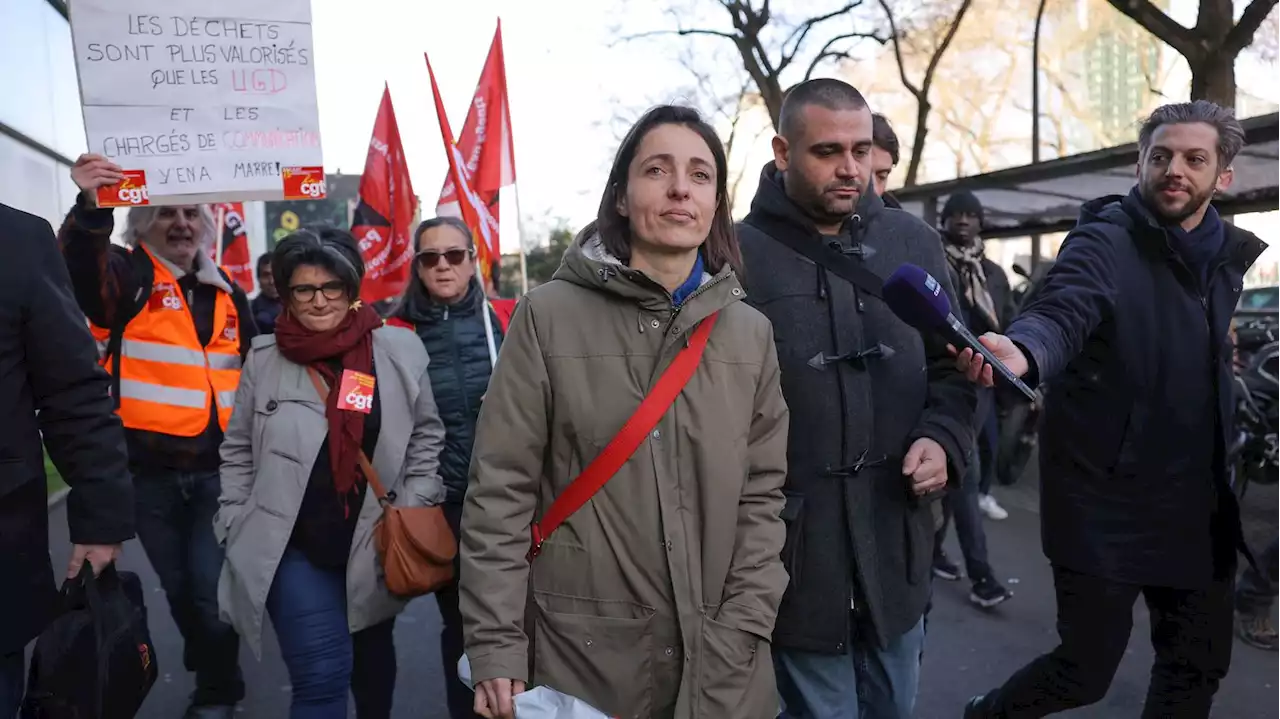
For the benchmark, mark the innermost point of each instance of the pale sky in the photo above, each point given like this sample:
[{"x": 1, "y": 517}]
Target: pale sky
[{"x": 562, "y": 80}]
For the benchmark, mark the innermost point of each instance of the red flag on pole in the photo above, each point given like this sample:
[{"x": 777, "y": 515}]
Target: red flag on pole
[
  {"x": 384, "y": 215},
  {"x": 485, "y": 142},
  {"x": 473, "y": 209},
  {"x": 235, "y": 244}
]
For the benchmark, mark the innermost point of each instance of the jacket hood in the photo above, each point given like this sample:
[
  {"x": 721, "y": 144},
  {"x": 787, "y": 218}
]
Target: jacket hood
[
  {"x": 588, "y": 264},
  {"x": 771, "y": 201}
]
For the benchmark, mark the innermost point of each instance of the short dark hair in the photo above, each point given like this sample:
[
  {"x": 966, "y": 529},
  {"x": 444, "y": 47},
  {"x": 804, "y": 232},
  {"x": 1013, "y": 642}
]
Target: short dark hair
[
  {"x": 444, "y": 221},
  {"x": 721, "y": 245},
  {"x": 828, "y": 92},
  {"x": 1222, "y": 119},
  {"x": 332, "y": 248},
  {"x": 264, "y": 262},
  {"x": 883, "y": 136}
]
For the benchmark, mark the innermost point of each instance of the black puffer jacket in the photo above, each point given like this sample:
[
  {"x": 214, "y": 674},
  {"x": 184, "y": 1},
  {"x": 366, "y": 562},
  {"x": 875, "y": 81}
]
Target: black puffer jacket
[{"x": 454, "y": 336}]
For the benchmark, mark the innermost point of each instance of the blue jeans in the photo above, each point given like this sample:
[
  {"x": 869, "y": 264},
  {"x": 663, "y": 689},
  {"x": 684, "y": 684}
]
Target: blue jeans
[
  {"x": 175, "y": 525},
  {"x": 308, "y": 608},
  {"x": 866, "y": 683},
  {"x": 962, "y": 505},
  {"x": 12, "y": 684}
]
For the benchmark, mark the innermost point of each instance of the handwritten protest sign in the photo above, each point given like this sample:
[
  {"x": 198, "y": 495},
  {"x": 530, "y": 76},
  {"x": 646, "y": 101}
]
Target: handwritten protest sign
[{"x": 208, "y": 106}]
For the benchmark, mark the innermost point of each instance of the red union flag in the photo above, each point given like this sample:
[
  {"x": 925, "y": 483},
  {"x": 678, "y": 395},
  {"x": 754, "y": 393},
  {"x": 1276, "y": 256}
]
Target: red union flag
[
  {"x": 484, "y": 227},
  {"x": 235, "y": 244},
  {"x": 485, "y": 143},
  {"x": 384, "y": 215}
]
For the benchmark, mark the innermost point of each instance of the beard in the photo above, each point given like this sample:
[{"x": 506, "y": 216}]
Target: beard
[
  {"x": 825, "y": 209},
  {"x": 1173, "y": 214}
]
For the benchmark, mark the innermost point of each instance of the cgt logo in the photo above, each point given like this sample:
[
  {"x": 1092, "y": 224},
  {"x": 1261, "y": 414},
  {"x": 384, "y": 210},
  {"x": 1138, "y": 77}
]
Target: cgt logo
[
  {"x": 303, "y": 183},
  {"x": 129, "y": 192}
]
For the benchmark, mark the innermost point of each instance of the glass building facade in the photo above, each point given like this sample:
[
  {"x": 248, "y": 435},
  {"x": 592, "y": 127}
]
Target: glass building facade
[{"x": 41, "y": 126}]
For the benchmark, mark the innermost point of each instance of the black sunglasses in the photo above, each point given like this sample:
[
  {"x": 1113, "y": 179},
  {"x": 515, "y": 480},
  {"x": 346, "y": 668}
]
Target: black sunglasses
[{"x": 430, "y": 258}]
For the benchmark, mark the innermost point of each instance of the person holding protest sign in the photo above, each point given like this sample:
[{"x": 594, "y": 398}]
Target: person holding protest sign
[
  {"x": 636, "y": 379},
  {"x": 330, "y": 404},
  {"x": 177, "y": 329}
]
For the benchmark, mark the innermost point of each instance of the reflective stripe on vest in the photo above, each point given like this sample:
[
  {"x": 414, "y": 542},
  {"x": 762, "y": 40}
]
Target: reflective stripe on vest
[{"x": 167, "y": 380}]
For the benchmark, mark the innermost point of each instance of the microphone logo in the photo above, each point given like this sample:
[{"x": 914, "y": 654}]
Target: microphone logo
[{"x": 932, "y": 285}]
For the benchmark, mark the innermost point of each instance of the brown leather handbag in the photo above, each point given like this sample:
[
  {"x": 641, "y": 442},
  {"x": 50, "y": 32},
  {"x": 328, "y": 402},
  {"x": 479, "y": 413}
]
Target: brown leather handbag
[{"x": 415, "y": 544}]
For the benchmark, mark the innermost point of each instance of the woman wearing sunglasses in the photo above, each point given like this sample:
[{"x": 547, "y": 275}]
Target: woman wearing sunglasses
[
  {"x": 446, "y": 306},
  {"x": 297, "y": 513}
]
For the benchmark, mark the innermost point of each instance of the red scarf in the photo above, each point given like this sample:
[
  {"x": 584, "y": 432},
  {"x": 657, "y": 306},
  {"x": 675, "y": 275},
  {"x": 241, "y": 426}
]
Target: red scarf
[{"x": 352, "y": 343}]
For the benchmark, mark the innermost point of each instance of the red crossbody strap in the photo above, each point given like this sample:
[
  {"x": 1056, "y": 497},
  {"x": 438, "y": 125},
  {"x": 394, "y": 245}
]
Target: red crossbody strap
[{"x": 628, "y": 439}]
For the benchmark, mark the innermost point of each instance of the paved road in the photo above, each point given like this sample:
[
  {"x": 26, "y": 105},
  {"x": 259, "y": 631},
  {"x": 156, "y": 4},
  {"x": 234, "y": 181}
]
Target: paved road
[{"x": 968, "y": 650}]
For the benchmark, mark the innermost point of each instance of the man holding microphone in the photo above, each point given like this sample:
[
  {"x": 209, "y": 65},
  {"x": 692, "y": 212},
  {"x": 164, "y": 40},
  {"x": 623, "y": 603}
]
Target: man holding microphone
[{"x": 1131, "y": 325}]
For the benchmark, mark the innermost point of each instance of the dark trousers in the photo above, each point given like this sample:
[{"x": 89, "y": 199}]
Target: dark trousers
[
  {"x": 961, "y": 503},
  {"x": 1257, "y": 590},
  {"x": 988, "y": 448},
  {"x": 308, "y": 608},
  {"x": 460, "y": 699},
  {"x": 12, "y": 684},
  {"x": 1190, "y": 632},
  {"x": 175, "y": 524}
]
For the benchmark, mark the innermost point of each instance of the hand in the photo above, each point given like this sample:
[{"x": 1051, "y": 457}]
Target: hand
[
  {"x": 99, "y": 556},
  {"x": 93, "y": 171},
  {"x": 926, "y": 465},
  {"x": 495, "y": 698},
  {"x": 977, "y": 370}
]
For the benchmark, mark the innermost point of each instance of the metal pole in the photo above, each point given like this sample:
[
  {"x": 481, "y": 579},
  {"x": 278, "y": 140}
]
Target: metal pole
[
  {"x": 1035, "y": 118},
  {"x": 524, "y": 270}
]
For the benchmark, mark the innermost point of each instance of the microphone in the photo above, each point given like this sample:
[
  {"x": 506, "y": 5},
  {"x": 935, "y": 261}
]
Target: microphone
[{"x": 917, "y": 299}]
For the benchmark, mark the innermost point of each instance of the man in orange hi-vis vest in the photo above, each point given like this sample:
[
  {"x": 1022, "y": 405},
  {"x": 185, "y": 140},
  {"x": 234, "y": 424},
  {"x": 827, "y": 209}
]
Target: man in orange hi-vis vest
[{"x": 175, "y": 329}]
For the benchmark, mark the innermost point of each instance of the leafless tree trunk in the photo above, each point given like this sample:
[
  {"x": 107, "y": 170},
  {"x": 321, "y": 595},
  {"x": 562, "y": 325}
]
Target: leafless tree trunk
[
  {"x": 921, "y": 91},
  {"x": 1210, "y": 47}
]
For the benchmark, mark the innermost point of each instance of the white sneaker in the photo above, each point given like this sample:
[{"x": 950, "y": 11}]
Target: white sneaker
[{"x": 992, "y": 508}]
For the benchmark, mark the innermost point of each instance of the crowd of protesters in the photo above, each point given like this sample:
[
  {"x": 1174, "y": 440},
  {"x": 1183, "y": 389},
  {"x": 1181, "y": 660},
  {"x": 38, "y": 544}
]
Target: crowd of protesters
[{"x": 698, "y": 474}]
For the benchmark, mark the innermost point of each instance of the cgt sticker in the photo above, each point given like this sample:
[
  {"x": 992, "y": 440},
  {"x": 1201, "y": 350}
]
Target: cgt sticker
[
  {"x": 303, "y": 183},
  {"x": 129, "y": 192}
]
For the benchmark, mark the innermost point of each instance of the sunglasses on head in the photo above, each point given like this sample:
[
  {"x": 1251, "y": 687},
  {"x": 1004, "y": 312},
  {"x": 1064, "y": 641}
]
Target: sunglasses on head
[{"x": 430, "y": 258}]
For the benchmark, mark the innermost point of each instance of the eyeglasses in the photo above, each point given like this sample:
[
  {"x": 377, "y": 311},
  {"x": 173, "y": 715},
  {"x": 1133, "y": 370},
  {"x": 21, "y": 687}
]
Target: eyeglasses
[
  {"x": 430, "y": 258},
  {"x": 307, "y": 293}
]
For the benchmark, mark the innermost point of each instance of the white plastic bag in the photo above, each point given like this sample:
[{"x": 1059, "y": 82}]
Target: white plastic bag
[{"x": 540, "y": 702}]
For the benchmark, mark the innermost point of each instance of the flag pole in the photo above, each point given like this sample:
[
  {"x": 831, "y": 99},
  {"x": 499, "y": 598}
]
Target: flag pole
[
  {"x": 524, "y": 269},
  {"x": 218, "y": 233}
]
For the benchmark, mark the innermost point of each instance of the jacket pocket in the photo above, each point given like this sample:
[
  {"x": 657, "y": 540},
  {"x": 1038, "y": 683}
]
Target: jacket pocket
[
  {"x": 735, "y": 674},
  {"x": 604, "y": 660},
  {"x": 793, "y": 549}
]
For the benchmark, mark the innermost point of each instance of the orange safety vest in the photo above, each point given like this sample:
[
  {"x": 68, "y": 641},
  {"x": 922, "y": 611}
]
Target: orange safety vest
[{"x": 167, "y": 379}]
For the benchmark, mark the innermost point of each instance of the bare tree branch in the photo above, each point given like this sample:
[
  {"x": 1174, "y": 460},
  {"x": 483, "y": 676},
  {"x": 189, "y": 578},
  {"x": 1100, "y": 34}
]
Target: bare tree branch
[
  {"x": 802, "y": 31},
  {"x": 826, "y": 53},
  {"x": 1250, "y": 20},
  {"x": 1156, "y": 22}
]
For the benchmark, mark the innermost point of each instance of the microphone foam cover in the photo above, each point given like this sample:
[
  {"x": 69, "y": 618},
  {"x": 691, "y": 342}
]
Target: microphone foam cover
[{"x": 917, "y": 298}]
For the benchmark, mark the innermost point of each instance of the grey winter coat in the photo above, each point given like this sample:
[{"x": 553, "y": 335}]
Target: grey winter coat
[
  {"x": 862, "y": 386},
  {"x": 274, "y": 436}
]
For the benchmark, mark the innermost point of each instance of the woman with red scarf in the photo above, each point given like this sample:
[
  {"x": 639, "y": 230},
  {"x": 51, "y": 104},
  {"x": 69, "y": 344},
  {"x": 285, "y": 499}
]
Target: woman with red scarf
[{"x": 297, "y": 515}]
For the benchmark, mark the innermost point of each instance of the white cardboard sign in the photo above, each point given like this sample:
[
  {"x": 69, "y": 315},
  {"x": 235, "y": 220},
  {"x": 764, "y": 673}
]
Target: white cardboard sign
[{"x": 210, "y": 100}]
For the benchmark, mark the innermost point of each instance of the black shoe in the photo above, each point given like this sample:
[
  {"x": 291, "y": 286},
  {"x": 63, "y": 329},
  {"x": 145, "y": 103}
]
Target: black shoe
[
  {"x": 987, "y": 593},
  {"x": 944, "y": 568}
]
